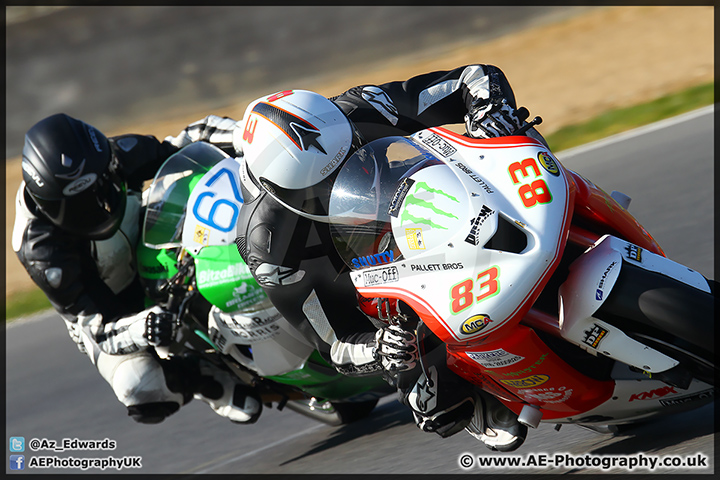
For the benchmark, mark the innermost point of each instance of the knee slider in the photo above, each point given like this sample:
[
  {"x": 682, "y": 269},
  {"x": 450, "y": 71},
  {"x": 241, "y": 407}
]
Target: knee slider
[{"x": 151, "y": 413}]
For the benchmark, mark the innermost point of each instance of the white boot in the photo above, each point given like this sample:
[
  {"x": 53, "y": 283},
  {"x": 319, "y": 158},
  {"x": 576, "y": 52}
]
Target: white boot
[
  {"x": 496, "y": 425},
  {"x": 232, "y": 399}
]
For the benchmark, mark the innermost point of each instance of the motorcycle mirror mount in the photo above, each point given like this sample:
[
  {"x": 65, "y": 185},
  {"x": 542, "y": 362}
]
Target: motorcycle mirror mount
[{"x": 528, "y": 126}]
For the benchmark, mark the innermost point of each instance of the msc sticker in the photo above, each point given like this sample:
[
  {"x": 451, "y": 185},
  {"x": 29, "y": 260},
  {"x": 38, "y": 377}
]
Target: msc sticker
[
  {"x": 548, "y": 163},
  {"x": 414, "y": 238},
  {"x": 474, "y": 324},
  {"x": 527, "y": 382},
  {"x": 594, "y": 336},
  {"x": 381, "y": 276}
]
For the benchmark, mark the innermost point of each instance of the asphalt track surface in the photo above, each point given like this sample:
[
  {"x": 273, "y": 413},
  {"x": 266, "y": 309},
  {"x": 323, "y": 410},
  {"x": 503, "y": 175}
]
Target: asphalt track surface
[
  {"x": 53, "y": 392},
  {"x": 114, "y": 66}
]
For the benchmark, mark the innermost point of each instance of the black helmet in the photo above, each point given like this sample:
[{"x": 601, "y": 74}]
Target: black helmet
[{"x": 71, "y": 175}]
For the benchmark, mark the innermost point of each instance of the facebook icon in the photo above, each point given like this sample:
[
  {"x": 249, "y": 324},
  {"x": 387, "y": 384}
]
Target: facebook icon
[{"x": 17, "y": 462}]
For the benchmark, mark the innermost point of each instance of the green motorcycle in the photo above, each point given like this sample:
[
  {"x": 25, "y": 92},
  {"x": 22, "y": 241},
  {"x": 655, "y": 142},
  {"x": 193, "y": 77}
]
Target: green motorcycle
[{"x": 189, "y": 263}]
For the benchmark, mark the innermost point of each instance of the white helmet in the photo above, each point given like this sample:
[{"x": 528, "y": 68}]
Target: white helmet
[{"x": 293, "y": 143}]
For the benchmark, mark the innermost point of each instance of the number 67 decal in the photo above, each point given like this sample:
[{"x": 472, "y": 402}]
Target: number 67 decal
[
  {"x": 224, "y": 212},
  {"x": 461, "y": 294}
]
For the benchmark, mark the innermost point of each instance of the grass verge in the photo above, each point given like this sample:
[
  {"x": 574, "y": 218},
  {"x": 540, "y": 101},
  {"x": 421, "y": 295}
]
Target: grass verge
[
  {"x": 617, "y": 121},
  {"x": 605, "y": 125}
]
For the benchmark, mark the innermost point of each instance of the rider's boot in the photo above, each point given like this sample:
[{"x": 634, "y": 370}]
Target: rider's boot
[
  {"x": 227, "y": 395},
  {"x": 496, "y": 425}
]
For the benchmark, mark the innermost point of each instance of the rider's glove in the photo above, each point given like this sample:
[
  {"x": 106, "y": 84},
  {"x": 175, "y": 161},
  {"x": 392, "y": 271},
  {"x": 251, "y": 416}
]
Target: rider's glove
[
  {"x": 490, "y": 120},
  {"x": 396, "y": 349},
  {"x": 160, "y": 328}
]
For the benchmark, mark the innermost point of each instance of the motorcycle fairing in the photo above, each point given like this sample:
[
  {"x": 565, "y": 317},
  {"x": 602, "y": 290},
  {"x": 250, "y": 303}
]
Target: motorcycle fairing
[
  {"x": 487, "y": 217},
  {"x": 591, "y": 279}
]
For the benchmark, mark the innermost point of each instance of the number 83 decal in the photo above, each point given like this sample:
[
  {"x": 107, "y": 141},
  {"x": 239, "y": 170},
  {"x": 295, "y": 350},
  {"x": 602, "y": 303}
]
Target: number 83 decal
[
  {"x": 462, "y": 295},
  {"x": 533, "y": 192}
]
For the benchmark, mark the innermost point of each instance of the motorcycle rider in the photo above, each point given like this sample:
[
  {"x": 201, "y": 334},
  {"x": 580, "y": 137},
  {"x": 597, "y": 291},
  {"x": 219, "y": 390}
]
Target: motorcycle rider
[
  {"x": 78, "y": 219},
  {"x": 292, "y": 144}
]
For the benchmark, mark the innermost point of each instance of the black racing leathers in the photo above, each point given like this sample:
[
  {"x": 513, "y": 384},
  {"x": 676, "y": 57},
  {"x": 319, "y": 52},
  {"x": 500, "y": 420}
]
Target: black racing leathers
[
  {"x": 293, "y": 258},
  {"x": 65, "y": 267}
]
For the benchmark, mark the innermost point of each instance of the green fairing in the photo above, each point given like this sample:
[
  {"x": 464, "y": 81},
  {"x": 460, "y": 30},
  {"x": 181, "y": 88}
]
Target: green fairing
[
  {"x": 224, "y": 279},
  {"x": 155, "y": 264},
  {"x": 322, "y": 381}
]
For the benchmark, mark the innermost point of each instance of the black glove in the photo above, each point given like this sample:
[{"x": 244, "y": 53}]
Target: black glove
[
  {"x": 490, "y": 120},
  {"x": 396, "y": 349},
  {"x": 160, "y": 328}
]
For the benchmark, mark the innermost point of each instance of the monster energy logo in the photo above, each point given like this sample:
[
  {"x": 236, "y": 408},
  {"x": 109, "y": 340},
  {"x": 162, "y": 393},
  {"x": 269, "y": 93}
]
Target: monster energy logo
[{"x": 411, "y": 199}]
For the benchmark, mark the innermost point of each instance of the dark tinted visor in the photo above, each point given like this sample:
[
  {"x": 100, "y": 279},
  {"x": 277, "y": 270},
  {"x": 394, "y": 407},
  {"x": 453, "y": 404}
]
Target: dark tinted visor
[{"x": 94, "y": 213}]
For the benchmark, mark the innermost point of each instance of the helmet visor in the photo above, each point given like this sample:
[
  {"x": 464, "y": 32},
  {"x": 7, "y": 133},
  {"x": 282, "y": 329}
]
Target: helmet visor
[{"x": 94, "y": 213}]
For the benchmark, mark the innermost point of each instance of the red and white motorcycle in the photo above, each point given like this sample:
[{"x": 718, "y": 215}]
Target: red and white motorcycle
[{"x": 546, "y": 292}]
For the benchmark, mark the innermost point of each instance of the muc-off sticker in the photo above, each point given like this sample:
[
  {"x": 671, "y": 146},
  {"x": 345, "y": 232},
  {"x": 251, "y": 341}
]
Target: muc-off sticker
[
  {"x": 439, "y": 144},
  {"x": 381, "y": 276}
]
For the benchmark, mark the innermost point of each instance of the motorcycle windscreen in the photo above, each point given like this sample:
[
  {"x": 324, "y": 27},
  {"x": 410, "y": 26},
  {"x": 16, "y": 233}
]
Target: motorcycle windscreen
[
  {"x": 369, "y": 187},
  {"x": 170, "y": 190}
]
